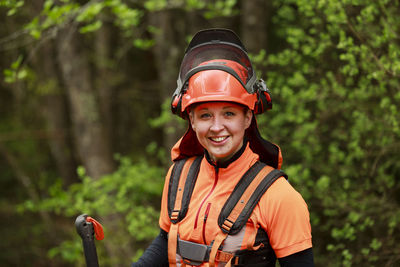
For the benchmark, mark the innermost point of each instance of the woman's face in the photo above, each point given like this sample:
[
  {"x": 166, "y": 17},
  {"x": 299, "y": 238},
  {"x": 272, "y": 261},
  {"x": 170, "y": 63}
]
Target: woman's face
[{"x": 220, "y": 127}]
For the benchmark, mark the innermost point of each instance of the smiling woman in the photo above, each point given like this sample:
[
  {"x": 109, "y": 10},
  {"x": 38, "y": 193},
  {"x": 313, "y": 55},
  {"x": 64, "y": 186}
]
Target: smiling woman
[
  {"x": 220, "y": 128},
  {"x": 225, "y": 201}
]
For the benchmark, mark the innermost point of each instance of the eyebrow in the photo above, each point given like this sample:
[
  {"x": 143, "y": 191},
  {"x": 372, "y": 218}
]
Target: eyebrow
[{"x": 226, "y": 107}]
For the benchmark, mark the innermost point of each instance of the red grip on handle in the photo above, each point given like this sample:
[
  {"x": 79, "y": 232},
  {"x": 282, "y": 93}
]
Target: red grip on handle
[{"x": 98, "y": 228}]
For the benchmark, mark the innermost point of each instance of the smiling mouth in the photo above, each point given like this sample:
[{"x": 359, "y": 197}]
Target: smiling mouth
[{"x": 218, "y": 139}]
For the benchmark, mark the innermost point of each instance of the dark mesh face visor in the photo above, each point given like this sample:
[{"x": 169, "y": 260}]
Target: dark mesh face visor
[{"x": 215, "y": 44}]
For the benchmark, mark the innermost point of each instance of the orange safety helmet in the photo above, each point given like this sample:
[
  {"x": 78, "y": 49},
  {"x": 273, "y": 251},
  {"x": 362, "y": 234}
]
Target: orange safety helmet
[
  {"x": 216, "y": 67},
  {"x": 218, "y": 85}
]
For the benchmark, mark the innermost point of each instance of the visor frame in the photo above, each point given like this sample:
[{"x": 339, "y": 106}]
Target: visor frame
[{"x": 213, "y": 38}]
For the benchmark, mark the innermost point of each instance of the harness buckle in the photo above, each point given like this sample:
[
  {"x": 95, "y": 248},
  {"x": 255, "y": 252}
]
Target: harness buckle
[
  {"x": 193, "y": 253},
  {"x": 223, "y": 256}
]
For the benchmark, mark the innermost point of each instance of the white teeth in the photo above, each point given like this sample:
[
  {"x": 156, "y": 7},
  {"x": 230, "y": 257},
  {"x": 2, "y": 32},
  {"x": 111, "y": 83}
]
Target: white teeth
[{"x": 218, "y": 139}]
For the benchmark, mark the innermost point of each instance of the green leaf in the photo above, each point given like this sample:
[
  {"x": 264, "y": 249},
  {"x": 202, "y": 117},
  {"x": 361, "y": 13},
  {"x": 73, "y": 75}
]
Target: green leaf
[
  {"x": 195, "y": 4},
  {"x": 90, "y": 12},
  {"x": 91, "y": 27},
  {"x": 15, "y": 72},
  {"x": 143, "y": 43},
  {"x": 155, "y": 5},
  {"x": 375, "y": 244},
  {"x": 323, "y": 183},
  {"x": 14, "y": 5}
]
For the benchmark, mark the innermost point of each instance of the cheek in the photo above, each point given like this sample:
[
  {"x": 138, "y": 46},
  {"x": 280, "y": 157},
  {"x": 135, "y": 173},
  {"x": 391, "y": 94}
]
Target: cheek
[
  {"x": 240, "y": 128},
  {"x": 201, "y": 135},
  {"x": 199, "y": 128}
]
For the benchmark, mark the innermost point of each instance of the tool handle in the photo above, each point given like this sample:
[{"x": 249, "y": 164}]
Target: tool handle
[{"x": 86, "y": 231}]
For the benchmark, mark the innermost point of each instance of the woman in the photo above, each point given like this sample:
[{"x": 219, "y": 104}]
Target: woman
[{"x": 225, "y": 202}]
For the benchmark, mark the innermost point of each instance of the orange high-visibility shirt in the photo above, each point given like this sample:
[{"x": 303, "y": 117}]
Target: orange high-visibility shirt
[{"x": 281, "y": 211}]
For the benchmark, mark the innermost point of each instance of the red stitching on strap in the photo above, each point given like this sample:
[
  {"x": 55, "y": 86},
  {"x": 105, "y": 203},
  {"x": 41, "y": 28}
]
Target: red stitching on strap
[{"x": 98, "y": 228}]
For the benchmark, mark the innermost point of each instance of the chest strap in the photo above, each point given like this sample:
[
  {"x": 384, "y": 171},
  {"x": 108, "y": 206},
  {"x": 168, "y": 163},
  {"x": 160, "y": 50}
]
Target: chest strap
[
  {"x": 181, "y": 184},
  {"x": 245, "y": 196},
  {"x": 241, "y": 203},
  {"x": 183, "y": 178}
]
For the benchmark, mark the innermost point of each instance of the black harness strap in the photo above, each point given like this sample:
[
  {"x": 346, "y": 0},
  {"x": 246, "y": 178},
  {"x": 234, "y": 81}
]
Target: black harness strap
[
  {"x": 228, "y": 220},
  {"x": 189, "y": 185},
  {"x": 240, "y": 187},
  {"x": 189, "y": 182}
]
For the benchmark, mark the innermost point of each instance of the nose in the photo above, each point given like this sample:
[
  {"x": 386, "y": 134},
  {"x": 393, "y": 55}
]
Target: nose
[{"x": 217, "y": 124}]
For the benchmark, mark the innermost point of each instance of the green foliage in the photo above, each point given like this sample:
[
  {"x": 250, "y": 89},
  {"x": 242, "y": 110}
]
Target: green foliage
[
  {"x": 165, "y": 119},
  {"x": 13, "y": 5},
  {"x": 90, "y": 12},
  {"x": 335, "y": 85},
  {"x": 126, "y": 17},
  {"x": 221, "y": 8},
  {"x": 155, "y": 5},
  {"x": 211, "y": 9},
  {"x": 195, "y": 4},
  {"x": 15, "y": 72},
  {"x": 130, "y": 196},
  {"x": 143, "y": 43},
  {"x": 70, "y": 251},
  {"x": 89, "y": 16},
  {"x": 92, "y": 27},
  {"x": 51, "y": 16}
]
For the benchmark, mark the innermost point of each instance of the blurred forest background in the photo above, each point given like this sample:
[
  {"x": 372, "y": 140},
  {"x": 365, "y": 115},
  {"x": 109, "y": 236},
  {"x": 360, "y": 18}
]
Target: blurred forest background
[{"x": 85, "y": 125}]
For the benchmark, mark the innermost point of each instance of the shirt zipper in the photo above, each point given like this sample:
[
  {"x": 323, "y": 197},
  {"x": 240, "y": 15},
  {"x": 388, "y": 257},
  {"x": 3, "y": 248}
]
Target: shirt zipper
[{"x": 208, "y": 195}]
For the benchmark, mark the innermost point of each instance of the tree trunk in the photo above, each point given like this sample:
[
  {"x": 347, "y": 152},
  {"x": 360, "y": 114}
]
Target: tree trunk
[
  {"x": 89, "y": 135},
  {"x": 254, "y": 20},
  {"x": 55, "y": 111},
  {"x": 103, "y": 80},
  {"x": 168, "y": 53}
]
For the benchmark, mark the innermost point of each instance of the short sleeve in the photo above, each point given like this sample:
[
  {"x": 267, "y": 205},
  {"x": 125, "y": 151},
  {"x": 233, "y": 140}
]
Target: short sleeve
[{"x": 284, "y": 215}]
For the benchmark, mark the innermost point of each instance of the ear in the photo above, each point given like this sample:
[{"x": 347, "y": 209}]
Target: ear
[{"x": 248, "y": 117}]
